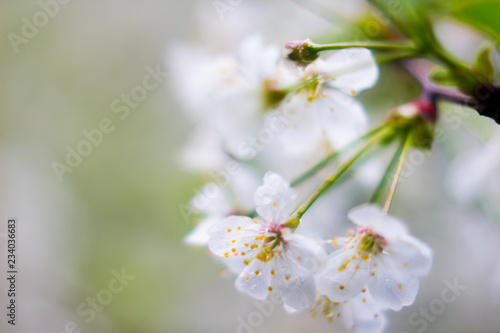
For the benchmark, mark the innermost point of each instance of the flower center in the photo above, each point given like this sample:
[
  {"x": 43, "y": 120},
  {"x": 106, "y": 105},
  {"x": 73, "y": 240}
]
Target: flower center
[
  {"x": 265, "y": 254},
  {"x": 271, "y": 246},
  {"x": 325, "y": 307},
  {"x": 371, "y": 243},
  {"x": 312, "y": 85}
]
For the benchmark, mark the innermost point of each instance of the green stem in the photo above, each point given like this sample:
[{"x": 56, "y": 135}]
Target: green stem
[
  {"x": 336, "y": 175},
  {"x": 397, "y": 56},
  {"x": 383, "y": 182},
  {"x": 367, "y": 45},
  {"x": 320, "y": 165},
  {"x": 402, "y": 152}
]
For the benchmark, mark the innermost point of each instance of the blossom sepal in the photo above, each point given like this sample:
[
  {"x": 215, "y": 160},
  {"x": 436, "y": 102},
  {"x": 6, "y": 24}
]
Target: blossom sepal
[
  {"x": 301, "y": 52},
  {"x": 417, "y": 119}
]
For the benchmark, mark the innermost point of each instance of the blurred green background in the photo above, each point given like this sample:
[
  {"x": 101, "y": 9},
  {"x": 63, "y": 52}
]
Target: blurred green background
[{"x": 119, "y": 208}]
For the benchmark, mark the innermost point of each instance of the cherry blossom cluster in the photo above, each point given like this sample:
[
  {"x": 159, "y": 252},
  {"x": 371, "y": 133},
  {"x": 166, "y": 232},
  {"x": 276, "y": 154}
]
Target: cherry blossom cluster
[
  {"x": 375, "y": 268},
  {"x": 256, "y": 111}
]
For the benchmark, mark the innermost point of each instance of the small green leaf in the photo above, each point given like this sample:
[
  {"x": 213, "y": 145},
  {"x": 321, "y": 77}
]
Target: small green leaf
[{"x": 482, "y": 62}]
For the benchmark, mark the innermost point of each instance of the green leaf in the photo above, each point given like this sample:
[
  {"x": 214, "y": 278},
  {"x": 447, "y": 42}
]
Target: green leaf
[
  {"x": 484, "y": 15},
  {"x": 482, "y": 62}
]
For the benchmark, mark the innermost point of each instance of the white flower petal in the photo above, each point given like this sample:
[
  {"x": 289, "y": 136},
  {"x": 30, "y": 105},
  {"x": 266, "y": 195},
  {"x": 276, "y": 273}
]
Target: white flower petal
[
  {"x": 365, "y": 215},
  {"x": 243, "y": 185},
  {"x": 294, "y": 283},
  {"x": 372, "y": 216},
  {"x": 342, "y": 278},
  {"x": 412, "y": 255},
  {"x": 363, "y": 315},
  {"x": 354, "y": 69},
  {"x": 257, "y": 61},
  {"x": 234, "y": 264},
  {"x": 255, "y": 279},
  {"x": 199, "y": 235},
  {"x": 301, "y": 126},
  {"x": 343, "y": 118},
  {"x": 289, "y": 309},
  {"x": 237, "y": 118},
  {"x": 390, "y": 286},
  {"x": 274, "y": 199},
  {"x": 196, "y": 76},
  {"x": 231, "y": 236},
  {"x": 308, "y": 251}
]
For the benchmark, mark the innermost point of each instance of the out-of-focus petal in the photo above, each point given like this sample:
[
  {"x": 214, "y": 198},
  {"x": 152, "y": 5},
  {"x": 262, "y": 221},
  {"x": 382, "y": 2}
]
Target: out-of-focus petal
[
  {"x": 372, "y": 216},
  {"x": 342, "y": 278},
  {"x": 255, "y": 280},
  {"x": 342, "y": 118},
  {"x": 364, "y": 315},
  {"x": 274, "y": 199},
  {"x": 353, "y": 69},
  {"x": 240, "y": 229},
  {"x": 390, "y": 286},
  {"x": 298, "y": 127},
  {"x": 411, "y": 255},
  {"x": 199, "y": 235},
  {"x": 294, "y": 282}
]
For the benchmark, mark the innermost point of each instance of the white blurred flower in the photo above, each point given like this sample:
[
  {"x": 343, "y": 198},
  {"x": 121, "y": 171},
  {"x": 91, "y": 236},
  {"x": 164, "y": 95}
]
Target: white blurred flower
[
  {"x": 360, "y": 315},
  {"x": 381, "y": 256},
  {"x": 274, "y": 256},
  {"x": 229, "y": 93},
  {"x": 473, "y": 176},
  {"x": 196, "y": 76},
  {"x": 324, "y": 107},
  {"x": 235, "y": 95},
  {"x": 217, "y": 200}
]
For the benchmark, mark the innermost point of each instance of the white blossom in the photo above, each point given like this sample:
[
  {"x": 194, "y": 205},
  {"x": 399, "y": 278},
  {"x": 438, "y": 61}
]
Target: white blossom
[
  {"x": 325, "y": 108},
  {"x": 229, "y": 92},
  {"x": 274, "y": 256},
  {"x": 381, "y": 256},
  {"x": 360, "y": 315}
]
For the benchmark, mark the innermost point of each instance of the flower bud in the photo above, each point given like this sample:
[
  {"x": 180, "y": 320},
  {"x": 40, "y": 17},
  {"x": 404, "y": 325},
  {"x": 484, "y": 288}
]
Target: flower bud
[
  {"x": 418, "y": 117},
  {"x": 302, "y": 52}
]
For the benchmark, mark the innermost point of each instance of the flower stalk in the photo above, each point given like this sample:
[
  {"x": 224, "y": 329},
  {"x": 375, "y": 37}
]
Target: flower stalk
[
  {"x": 324, "y": 162},
  {"x": 374, "y": 46},
  {"x": 337, "y": 174},
  {"x": 400, "y": 156}
]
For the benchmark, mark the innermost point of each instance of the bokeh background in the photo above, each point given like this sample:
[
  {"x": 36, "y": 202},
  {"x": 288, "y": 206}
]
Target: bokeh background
[{"x": 119, "y": 208}]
